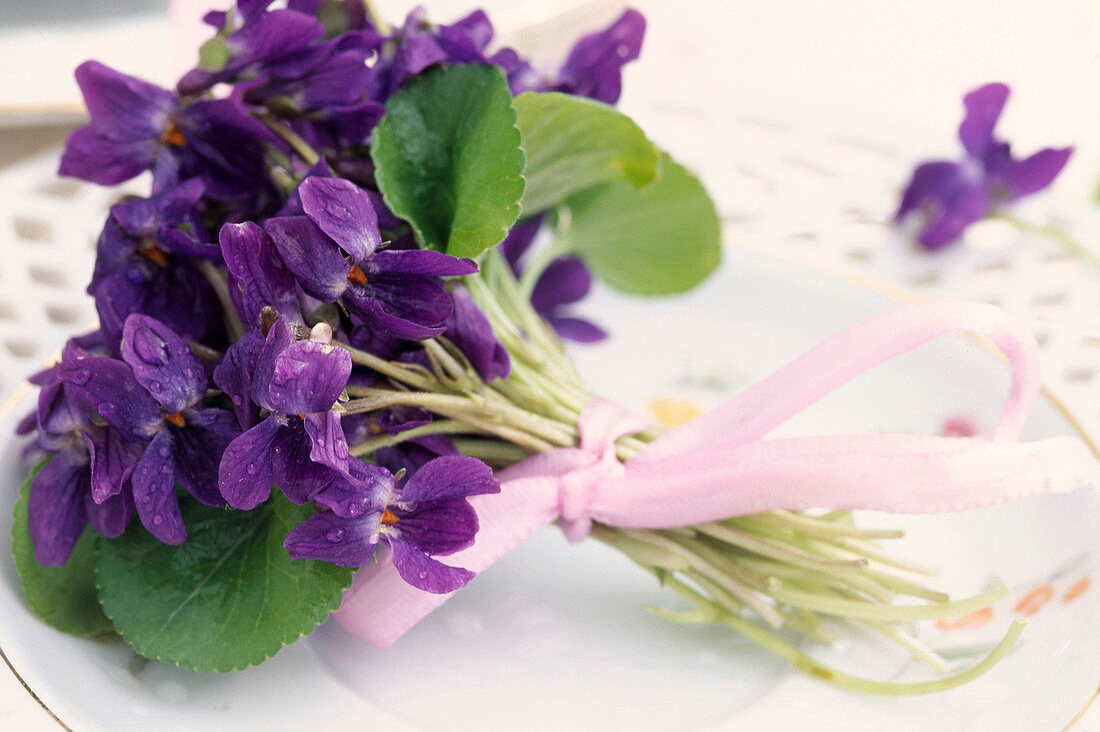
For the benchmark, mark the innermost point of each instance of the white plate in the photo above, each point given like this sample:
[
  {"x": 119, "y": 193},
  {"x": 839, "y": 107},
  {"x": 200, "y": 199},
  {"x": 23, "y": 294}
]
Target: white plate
[{"x": 555, "y": 636}]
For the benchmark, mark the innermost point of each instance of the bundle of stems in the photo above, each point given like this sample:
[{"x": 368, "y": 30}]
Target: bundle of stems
[{"x": 799, "y": 572}]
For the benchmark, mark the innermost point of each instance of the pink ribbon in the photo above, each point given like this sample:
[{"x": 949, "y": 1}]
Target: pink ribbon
[{"x": 717, "y": 466}]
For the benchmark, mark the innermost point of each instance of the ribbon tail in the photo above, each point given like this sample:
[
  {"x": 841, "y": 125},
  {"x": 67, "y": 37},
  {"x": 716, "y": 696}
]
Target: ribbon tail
[
  {"x": 380, "y": 607},
  {"x": 894, "y": 473}
]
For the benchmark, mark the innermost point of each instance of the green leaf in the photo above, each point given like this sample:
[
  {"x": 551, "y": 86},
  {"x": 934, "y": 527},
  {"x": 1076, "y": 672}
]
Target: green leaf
[
  {"x": 661, "y": 240},
  {"x": 228, "y": 597},
  {"x": 448, "y": 159},
  {"x": 65, "y": 596},
  {"x": 574, "y": 143}
]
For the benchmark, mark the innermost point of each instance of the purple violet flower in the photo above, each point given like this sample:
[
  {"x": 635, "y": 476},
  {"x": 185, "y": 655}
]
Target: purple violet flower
[
  {"x": 62, "y": 500},
  {"x": 143, "y": 264},
  {"x": 152, "y": 399},
  {"x": 264, "y": 37},
  {"x": 429, "y": 515},
  {"x": 469, "y": 330},
  {"x": 594, "y": 66},
  {"x": 333, "y": 252},
  {"x": 300, "y": 445},
  {"x": 136, "y": 126},
  {"x": 950, "y": 196},
  {"x": 565, "y": 281}
]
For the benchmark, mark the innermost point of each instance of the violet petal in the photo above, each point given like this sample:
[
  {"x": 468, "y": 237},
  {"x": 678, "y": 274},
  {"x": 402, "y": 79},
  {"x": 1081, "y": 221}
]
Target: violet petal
[
  {"x": 154, "y": 482},
  {"x": 162, "y": 363},
  {"x": 440, "y": 527},
  {"x": 1030, "y": 175},
  {"x": 245, "y": 473},
  {"x": 425, "y": 573},
  {"x": 198, "y": 448},
  {"x": 983, "y": 108},
  {"x": 108, "y": 387},
  {"x": 330, "y": 538},
  {"x": 344, "y": 212},
  {"x": 111, "y": 517},
  {"x": 233, "y": 375},
  {"x": 450, "y": 476},
  {"x": 296, "y": 474},
  {"x": 330, "y": 446},
  {"x": 91, "y": 157},
  {"x": 370, "y": 491},
  {"x": 312, "y": 257},
  {"x": 308, "y": 377},
  {"x": 112, "y": 461},
  {"x": 56, "y": 515},
  {"x": 257, "y": 271}
]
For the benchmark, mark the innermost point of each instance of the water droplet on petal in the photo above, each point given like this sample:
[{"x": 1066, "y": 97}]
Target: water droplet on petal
[
  {"x": 237, "y": 400},
  {"x": 320, "y": 442},
  {"x": 164, "y": 451},
  {"x": 155, "y": 387},
  {"x": 341, "y": 449},
  {"x": 422, "y": 575},
  {"x": 158, "y": 520},
  {"x": 335, "y": 535},
  {"x": 253, "y": 468},
  {"x": 80, "y": 376}
]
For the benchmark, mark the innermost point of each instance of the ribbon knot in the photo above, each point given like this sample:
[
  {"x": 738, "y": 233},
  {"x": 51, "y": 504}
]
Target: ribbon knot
[
  {"x": 604, "y": 423},
  {"x": 720, "y": 465}
]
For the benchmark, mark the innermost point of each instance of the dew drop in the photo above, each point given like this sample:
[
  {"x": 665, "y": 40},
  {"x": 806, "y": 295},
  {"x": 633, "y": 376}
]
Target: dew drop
[
  {"x": 341, "y": 449},
  {"x": 252, "y": 468},
  {"x": 164, "y": 451},
  {"x": 320, "y": 442},
  {"x": 335, "y": 535},
  {"x": 155, "y": 387},
  {"x": 80, "y": 377},
  {"x": 237, "y": 401},
  {"x": 422, "y": 575},
  {"x": 158, "y": 520}
]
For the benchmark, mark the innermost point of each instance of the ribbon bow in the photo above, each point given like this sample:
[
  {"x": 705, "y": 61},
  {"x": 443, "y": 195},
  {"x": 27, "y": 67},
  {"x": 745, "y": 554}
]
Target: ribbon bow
[{"x": 717, "y": 465}]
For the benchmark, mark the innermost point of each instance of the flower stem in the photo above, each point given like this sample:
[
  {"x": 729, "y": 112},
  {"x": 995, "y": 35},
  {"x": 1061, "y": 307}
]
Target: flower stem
[
  {"x": 233, "y": 325},
  {"x": 1052, "y": 232},
  {"x": 290, "y": 137},
  {"x": 376, "y": 19}
]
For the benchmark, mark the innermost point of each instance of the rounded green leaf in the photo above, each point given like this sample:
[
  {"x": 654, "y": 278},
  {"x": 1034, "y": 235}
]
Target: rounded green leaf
[
  {"x": 661, "y": 240},
  {"x": 448, "y": 160},
  {"x": 65, "y": 596},
  {"x": 574, "y": 143},
  {"x": 228, "y": 597}
]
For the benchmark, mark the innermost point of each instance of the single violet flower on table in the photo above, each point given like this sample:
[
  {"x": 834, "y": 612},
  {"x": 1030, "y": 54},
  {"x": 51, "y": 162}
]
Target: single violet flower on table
[
  {"x": 427, "y": 516},
  {"x": 950, "y": 196}
]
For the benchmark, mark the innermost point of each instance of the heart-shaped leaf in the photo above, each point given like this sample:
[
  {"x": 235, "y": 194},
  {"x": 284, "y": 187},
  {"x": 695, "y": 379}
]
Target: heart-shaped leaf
[
  {"x": 661, "y": 240},
  {"x": 228, "y": 597},
  {"x": 448, "y": 159},
  {"x": 574, "y": 143}
]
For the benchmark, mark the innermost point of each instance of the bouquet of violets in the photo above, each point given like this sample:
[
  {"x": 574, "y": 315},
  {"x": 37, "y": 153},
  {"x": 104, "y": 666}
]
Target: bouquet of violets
[{"x": 332, "y": 332}]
